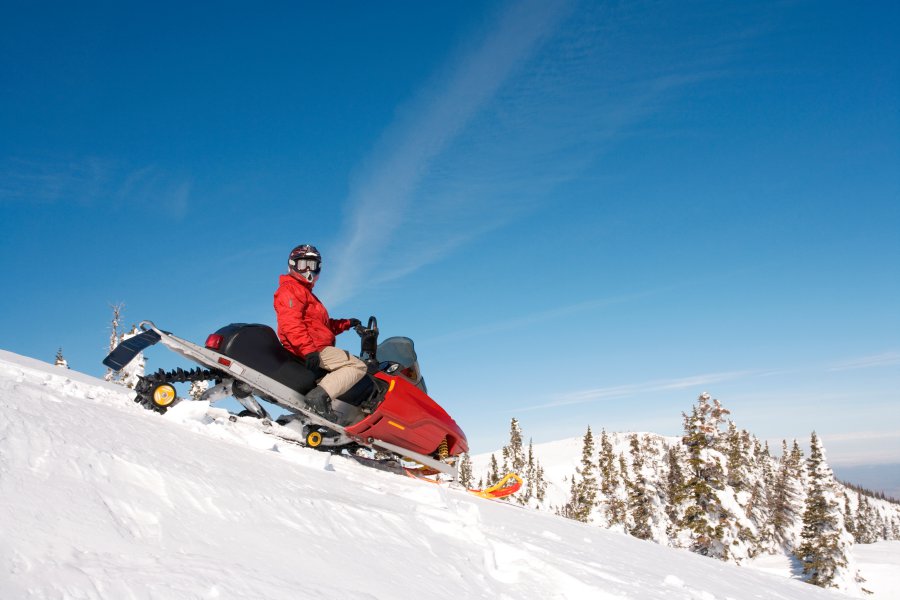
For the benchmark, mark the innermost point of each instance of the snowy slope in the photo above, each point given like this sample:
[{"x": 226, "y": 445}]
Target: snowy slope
[{"x": 101, "y": 499}]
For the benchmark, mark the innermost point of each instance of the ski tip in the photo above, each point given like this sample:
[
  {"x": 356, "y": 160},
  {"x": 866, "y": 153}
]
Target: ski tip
[{"x": 507, "y": 486}]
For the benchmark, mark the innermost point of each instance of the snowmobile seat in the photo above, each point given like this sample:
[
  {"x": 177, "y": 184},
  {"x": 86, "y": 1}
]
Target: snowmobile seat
[{"x": 258, "y": 347}]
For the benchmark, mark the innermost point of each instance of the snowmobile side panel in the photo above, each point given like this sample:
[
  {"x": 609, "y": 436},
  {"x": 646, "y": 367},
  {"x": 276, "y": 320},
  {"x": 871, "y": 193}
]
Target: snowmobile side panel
[
  {"x": 125, "y": 352},
  {"x": 410, "y": 418}
]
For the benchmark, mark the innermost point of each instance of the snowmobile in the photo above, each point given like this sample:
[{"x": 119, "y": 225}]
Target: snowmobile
[{"x": 389, "y": 411}]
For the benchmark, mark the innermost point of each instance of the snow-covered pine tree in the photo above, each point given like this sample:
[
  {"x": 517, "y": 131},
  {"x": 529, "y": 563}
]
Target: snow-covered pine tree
[
  {"x": 529, "y": 492},
  {"x": 736, "y": 455},
  {"x": 742, "y": 481},
  {"x": 114, "y": 335},
  {"x": 849, "y": 524},
  {"x": 197, "y": 389},
  {"x": 540, "y": 483},
  {"x": 465, "y": 470},
  {"x": 825, "y": 543},
  {"x": 759, "y": 506},
  {"x": 865, "y": 516},
  {"x": 640, "y": 505},
  {"x": 625, "y": 485},
  {"x": 513, "y": 452},
  {"x": 493, "y": 475},
  {"x": 786, "y": 496},
  {"x": 674, "y": 491},
  {"x": 535, "y": 486},
  {"x": 583, "y": 491},
  {"x": 870, "y": 515},
  {"x": 705, "y": 517},
  {"x": 610, "y": 497},
  {"x": 60, "y": 360}
]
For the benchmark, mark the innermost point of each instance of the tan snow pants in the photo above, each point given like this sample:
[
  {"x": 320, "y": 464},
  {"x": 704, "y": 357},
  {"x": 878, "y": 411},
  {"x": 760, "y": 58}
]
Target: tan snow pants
[{"x": 344, "y": 370}]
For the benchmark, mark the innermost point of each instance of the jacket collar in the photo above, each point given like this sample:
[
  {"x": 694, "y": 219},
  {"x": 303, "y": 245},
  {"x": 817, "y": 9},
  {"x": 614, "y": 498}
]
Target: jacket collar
[{"x": 290, "y": 277}]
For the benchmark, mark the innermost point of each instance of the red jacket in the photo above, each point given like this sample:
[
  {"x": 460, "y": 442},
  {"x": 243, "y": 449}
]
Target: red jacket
[{"x": 303, "y": 322}]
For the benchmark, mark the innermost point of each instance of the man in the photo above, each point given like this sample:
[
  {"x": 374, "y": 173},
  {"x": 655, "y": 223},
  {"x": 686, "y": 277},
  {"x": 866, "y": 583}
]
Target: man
[{"x": 305, "y": 329}]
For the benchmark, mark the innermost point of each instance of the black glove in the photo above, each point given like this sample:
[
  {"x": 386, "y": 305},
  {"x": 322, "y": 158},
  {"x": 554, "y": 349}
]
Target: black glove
[
  {"x": 354, "y": 322},
  {"x": 313, "y": 361}
]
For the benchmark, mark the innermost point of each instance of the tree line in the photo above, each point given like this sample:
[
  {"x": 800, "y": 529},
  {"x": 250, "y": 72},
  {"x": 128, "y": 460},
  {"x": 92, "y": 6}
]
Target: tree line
[{"x": 717, "y": 491}]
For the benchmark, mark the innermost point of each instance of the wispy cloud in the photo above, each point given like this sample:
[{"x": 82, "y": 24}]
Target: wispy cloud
[
  {"x": 862, "y": 447},
  {"x": 90, "y": 181},
  {"x": 495, "y": 327},
  {"x": 885, "y": 359},
  {"x": 154, "y": 187},
  {"x": 382, "y": 195},
  {"x": 634, "y": 389},
  {"x": 531, "y": 104},
  {"x": 43, "y": 182},
  {"x": 861, "y": 436}
]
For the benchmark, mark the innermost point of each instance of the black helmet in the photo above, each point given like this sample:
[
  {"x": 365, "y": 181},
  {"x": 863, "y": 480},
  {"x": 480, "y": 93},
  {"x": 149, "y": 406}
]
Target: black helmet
[{"x": 306, "y": 262}]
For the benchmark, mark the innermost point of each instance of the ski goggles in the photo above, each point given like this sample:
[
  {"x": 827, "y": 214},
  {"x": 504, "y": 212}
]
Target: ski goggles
[{"x": 306, "y": 264}]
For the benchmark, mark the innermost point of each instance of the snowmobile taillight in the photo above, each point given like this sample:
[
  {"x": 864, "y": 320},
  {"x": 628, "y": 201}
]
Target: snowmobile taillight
[
  {"x": 214, "y": 341},
  {"x": 224, "y": 361}
]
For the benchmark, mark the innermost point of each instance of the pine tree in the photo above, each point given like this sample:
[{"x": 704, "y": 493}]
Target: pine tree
[
  {"x": 849, "y": 524},
  {"x": 865, "y": 531},
  {"x": 786, "y": 496},
  {"x": 613, "y": 503},
  {"x": 583, "y": 491},
  {"x": 493, "y": 475},
  {"x": 540, "y": 484},
  {"x": 822, "y": 551},
  {"x": 640, "y": 506},
  {"x": 535, "y": 485},
  {"x": 705, "y": 516},
  {"x": 674, "y": 490},
  {"x": 197, "y": 389},
  {"x": 60, "y": 360},
  {"x": 759, "y": 507},
  {"x": 622, "y": 492},
  {"x": 736, "y": 458},
  {"x": 114, "y": 335},
  {"x": 465, "y": 470},
  {"x": 513, "y": 453},
  {"x": 530, "y": 473}
]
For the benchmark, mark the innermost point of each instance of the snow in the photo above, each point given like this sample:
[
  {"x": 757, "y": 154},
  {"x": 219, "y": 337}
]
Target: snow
[
  {"x": 102, "y": 499},
  {"x": 880, "y": 566}
]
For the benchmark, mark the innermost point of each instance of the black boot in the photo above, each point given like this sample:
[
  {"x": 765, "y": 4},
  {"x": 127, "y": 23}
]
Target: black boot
[{"x": 319, "y": 402}]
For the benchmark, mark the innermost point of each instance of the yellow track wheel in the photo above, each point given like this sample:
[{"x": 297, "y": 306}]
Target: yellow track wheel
[
  {"x": 313, "y": 439},
  {"x": 164, "y": 395}
]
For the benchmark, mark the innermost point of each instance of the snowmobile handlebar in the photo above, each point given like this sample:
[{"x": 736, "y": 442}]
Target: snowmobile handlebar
[
  {"x": 368, "y": 339},
  {"x": 372, "y": 327}
]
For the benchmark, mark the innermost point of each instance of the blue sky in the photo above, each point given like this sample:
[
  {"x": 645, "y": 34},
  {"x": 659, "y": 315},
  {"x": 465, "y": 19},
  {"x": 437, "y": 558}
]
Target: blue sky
[{"x": 584, "y": 212}]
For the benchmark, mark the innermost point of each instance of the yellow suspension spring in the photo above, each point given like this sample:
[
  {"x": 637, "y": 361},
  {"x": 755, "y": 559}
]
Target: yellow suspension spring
[{"x": 443, "y": 450}]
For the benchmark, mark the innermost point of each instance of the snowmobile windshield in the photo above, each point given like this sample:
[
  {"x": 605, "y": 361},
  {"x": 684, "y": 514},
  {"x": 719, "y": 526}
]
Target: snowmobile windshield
[{"x": 401, "y": 350}]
